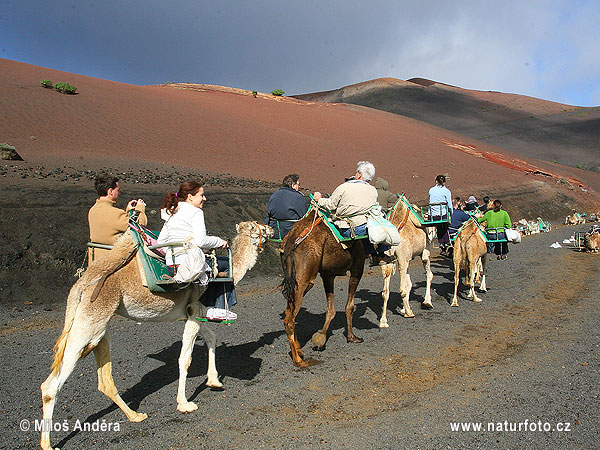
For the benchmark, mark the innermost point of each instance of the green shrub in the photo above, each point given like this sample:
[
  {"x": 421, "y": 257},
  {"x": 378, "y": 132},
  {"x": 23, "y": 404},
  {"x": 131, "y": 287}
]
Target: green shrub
[
  {"x": 278, "y": 92},
  {"x": 254, "y": 93},
  {"x": 46, "y": 83},
  {"x": 65, "y": 88},
  {"x": 7, "y": 147}
]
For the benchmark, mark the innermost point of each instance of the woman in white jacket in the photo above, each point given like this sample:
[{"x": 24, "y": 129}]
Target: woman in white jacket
[{"x": 184, "y": 221}]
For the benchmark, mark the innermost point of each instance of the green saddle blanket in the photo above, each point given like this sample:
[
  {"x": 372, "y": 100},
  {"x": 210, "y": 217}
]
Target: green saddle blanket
[{"x": 156, "y": 270}]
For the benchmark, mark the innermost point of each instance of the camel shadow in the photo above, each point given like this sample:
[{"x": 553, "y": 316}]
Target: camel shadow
[
  {"x": 232, "y": 361},
  {"x": 313, "y": 322}
]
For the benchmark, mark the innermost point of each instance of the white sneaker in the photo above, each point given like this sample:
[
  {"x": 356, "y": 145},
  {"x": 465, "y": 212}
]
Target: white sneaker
[{"x": 220, "y": 314}]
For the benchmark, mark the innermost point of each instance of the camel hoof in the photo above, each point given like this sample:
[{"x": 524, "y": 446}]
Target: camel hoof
[
  {"x": 302, "y": 364},
  {"x": 187, "y": 407},
  {"x": 318, "y": 339},
  {"x": 455, "y": 304},
  {"x": 477, "y": 300},
  {"x": 138, "y": 417},
  {"x": 383, "y": 325},
  {"x": 409, "y": 315},
  {"x": 427, "y": 305},
  {"x": 214, "y": 384},
  {"x": 354, "y": 339}
]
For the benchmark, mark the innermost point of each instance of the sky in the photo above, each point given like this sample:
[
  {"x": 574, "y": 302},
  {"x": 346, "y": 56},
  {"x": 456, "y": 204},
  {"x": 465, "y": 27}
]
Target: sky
[{"x": 549, "y": 49}]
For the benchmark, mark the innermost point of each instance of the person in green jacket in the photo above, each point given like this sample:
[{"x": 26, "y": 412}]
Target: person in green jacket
[{"x": 497, "y": 218}]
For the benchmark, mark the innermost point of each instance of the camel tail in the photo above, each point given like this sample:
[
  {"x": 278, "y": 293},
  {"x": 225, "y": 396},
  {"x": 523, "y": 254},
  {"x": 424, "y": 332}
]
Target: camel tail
[
  {"x": 72, "y": 303},
  {"x": 289, "y": 283}
]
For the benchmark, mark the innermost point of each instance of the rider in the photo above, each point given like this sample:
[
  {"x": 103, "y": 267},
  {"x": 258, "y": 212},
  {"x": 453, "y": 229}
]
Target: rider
[
  {"x": 184, "y": 221},
  {"x": 441, "y": 194},
  {"x": 350, "y": 202},
  {"x": 497, "y": 218},
  {"x": 286, "y": 205},
  {"x": 107, "y": 222},
  {"x": 458, "y": 217},
  {"x": 385, "y": 198}
]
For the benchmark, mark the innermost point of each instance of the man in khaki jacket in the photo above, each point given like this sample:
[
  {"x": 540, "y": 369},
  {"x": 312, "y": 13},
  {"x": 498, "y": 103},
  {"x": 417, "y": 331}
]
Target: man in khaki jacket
[
  {"x": 352, "y": 199},
  {"x": 105, "y": 220}
]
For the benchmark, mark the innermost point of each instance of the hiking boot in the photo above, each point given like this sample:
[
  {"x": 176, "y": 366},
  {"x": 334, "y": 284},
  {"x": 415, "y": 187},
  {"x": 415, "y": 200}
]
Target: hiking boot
[{"x": 220, "y": 314}]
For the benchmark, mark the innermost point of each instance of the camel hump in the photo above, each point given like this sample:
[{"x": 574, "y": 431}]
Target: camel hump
[{"x": 110, "y": 261}]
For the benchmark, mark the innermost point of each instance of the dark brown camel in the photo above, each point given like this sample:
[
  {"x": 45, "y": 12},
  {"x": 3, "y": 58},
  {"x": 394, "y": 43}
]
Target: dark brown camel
[{"x": 318, "y": 253}]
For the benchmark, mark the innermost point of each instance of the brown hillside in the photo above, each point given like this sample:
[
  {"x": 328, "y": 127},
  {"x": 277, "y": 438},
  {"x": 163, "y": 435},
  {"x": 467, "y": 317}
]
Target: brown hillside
[
  {"x": 528, "y": 126},
  {"x": 217, "y": 129}
]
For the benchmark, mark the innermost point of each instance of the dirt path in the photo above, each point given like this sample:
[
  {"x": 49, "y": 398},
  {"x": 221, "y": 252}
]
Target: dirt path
[{"x": 530, "y": 351}]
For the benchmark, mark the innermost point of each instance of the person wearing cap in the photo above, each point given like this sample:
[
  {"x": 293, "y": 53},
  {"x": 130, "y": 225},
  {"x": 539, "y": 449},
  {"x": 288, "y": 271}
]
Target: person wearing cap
[
  {"x": 472, "y": 204},
  {"x": 106, "y": 221}
]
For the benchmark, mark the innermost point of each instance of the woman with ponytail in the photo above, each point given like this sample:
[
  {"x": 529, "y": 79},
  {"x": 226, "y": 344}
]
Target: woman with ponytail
[{"x": 184, "y": 221}]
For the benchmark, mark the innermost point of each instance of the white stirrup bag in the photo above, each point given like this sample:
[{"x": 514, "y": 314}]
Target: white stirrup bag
[
  {"x": 513, "y": 235},
  {"x": 381, "y": 230},
  {"x": 192, "y": 265}
]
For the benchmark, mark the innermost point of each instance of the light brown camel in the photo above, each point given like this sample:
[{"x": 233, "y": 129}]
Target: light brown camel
[
  {"x": 470, "y": 254},
  {"x": 592, "y": 241},
  {"x": 318, "y": 253},
  {"x": 415, "y": 242},
  {"x": 122, "y": 293},
  {"x": 574, "y": 219}
]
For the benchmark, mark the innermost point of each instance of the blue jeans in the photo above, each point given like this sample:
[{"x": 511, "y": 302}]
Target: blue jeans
[{"x": 217, "y": 293}]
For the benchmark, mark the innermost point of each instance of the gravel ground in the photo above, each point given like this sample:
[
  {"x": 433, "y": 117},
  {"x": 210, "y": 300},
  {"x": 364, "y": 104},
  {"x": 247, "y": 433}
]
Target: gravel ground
[{"x": 529, "y": 351}]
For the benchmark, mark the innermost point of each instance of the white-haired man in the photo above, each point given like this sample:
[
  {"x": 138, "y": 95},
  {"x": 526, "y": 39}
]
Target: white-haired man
[{"x": 351, "y": 201}]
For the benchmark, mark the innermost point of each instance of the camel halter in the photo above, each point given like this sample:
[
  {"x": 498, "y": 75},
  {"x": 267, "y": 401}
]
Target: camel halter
[{"x": 258, "y": 235}]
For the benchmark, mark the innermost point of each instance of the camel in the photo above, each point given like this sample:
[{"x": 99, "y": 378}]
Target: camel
[
  {"x": 470, "y": 253},
  {"x": 592, "y": 241},
  {"x": 86, "y": 319},
  {"x": 415, "y": 242},
  {"x": 318, "y": 253},
  {"x": 574, "y": 219}
]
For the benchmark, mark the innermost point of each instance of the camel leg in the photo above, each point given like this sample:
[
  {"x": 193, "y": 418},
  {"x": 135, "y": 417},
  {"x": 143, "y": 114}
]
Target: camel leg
[
  {"x": 106, "y": 384},
  {"x": 352, "y": 285},
  {"x": 386, "y": 271},
  {"x": 457, "y": 258},
  {"x": 425, "y": 257},
  {"x": 190, "y": 331},
  {"x": 320, "y": 337},
  {"x": 483, "y": 285},
  {"x": 289, "y": 322},
  {"x": 405, "y": 287},
  {"x": 472, "y": 272},
  {"x": 74, "y": 343},
  {"x": 212, "y": 376}
]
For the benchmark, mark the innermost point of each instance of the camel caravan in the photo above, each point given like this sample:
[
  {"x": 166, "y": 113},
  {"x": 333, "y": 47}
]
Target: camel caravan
[{"x": 134, "y": 281}]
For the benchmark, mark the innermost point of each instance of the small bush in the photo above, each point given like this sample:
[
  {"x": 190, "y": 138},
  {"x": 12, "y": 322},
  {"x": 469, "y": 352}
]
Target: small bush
[
  {"x": 6, "y": 146},
  {"x": 278, "y": 92},
  {"x": 65, "y": 88},
  {"x": 254, "y": 93},
  {"x": 46, "y": 83}
]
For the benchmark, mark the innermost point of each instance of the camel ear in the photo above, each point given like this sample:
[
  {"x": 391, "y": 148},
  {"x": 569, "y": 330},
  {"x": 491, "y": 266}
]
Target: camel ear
[{"x": 237, "y": 227}]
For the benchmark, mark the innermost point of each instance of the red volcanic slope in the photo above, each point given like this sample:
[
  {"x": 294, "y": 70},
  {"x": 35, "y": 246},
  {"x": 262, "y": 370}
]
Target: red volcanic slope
[{"x": 228, "y": 130}]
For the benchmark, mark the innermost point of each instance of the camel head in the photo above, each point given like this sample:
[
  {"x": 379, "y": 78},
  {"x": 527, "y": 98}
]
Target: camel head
[
  {"x": 256, "y": 230},
  {"x": 251, "y": 236}
]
